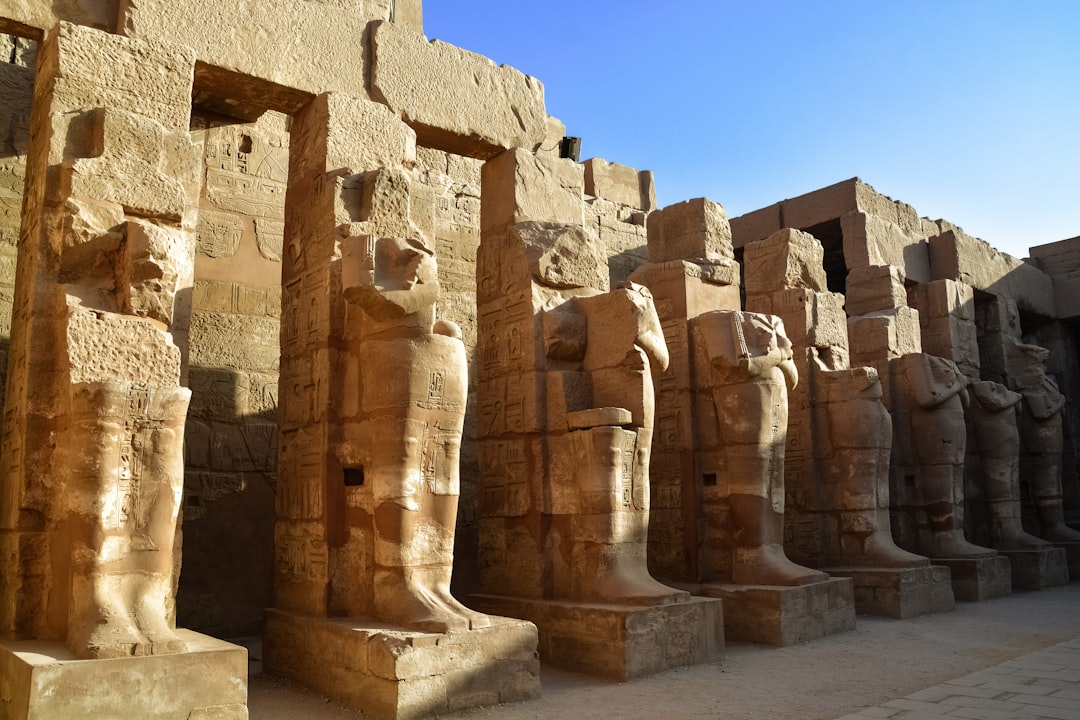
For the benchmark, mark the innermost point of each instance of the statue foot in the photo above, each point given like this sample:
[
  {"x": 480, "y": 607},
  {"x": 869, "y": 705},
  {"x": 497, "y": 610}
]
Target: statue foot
[
  {"x": 1019, "y": 540},
  {"x": 881, "y": 551},
  {"x": 417, "y": 605},
  {"x": 952, "y": 545},
  {"x": 1061, "y": 534},
  {"x": 633, "y": 587},
  {"x": 108, "y": 641},
  {"x": 768, "y": 565},
  {"x": 476, "y": 619}
]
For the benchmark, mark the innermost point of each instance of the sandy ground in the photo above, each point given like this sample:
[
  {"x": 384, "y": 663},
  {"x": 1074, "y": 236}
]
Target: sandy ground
[{"x": 880, "y": 660}]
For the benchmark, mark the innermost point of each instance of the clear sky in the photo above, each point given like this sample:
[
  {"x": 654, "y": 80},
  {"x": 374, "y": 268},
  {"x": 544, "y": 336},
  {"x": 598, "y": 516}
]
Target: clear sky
[{"x": 965, "y": 109}]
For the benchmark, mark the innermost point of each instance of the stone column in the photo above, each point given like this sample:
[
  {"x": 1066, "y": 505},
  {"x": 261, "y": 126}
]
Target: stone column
[
  {"x": 93, "y": 430},
  {"x": 565, "y": 386},
  {"x": 373, "y": 402}
]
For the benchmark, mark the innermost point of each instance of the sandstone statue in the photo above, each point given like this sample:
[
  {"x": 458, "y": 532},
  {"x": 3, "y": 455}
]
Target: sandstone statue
[
  {"x": 993, "y": 414},
  {"x": 1041, "y": 431},
  {"x": 414, "y": 382},
  {"x": 752, "y": 369},
  {"x": 936, "y": 395}
]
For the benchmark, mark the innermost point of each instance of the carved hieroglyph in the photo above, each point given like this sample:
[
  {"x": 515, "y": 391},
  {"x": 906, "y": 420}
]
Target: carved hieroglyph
[
  {"x": 566, "y": 397},
  {"x": 752, "y": 370},
  {"x": 93, "y": 436}
]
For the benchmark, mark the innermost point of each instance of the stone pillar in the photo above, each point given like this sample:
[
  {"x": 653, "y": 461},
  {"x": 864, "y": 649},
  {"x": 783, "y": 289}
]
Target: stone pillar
[
  {"x": 372, "y": 407},
  {"x": 992, "y": 500},
  {"x": 926, "y": 395},
  {"x": 839, "y": 435},
  {"x": 719, "y": 453},
  {"x": 565, "y": 374},
  {"x": 93, "y": 430}
]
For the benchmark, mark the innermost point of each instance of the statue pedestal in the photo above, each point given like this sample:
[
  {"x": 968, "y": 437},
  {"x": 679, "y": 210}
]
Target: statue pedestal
[
  {"x": 391, "y": 673},
  {"x": 899, "y": 592},
  {"x": 783, "y": 615},
  {"x": 618, "y": 642},
  {"x": 1072, "y": 553},
  {"x": 1038, "y": 569},
  {"x": 978, "y": 579},
  {"x": 42, "y": 679}
]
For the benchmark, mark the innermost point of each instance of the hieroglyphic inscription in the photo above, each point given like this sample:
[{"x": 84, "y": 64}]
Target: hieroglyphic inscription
[
  {"x": 246, "y": 171},
  {"x": 218, "y": 234},
  {"x": 270, "y": 237}
]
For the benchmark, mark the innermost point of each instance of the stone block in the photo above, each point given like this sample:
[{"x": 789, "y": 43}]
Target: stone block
[
  {"x": 689, "y": 230},
  {"x": 43, "y": 680},
  {"x": 874, "y": 287},
  {"x": 781, "y": 616},
  {"x": 954, "y": 255},
  {"x": 786, "y": 259},
  {"x": 812, "y": 319},
  {"x": 94, "y": 69},
  {"x": 518, "y": 186},
  {"x": 396, "y": 674},
  {"x": 1038, "y": 569},
  {"x": 684, "y": 289},
  {"x": 456, "y": 100},
  {"x": 900, "y": 593},
  {"x": 756, "y": 225},
  {"x": 620, "y": 183},
  {"x": 618, "y": 642},
  {"x": 1067, "y": 296},
  {"x": 978, "y": 579},
  {"x": 873, "y": 240},
  {"x": 1072, "y": 556},
  {"x": 890, "y": 334}
]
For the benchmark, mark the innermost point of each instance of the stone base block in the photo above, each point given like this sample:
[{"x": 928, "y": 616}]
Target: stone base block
[
  {"x": 1072, "y": 554},
  {"x": 899, "y": 592},
  {"x": 618, "y": 642},
  {"x": 42, "y": 680},
  {"x": 978, "y": 579},
  {"x": 391, "y": 673},
  {"x": 780, "y": 615},
  {"x": 1038, "y": 569}
]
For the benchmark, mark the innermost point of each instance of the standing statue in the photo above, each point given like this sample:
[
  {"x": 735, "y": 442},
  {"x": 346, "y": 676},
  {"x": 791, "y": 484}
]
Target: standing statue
[
  {"x": 937, "y": 397},
  {"x": 126, "y": 452},
  {"x": 1041, "y": 430},
  {"x": 611, "y": 443},
  {"x": 752, "y": 369},
  {"x": 993, "y": 415},
  {"x": 414, "y": 382}
]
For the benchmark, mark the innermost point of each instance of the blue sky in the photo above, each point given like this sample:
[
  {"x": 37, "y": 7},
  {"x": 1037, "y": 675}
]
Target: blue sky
[{"x": 966, "y": 110}]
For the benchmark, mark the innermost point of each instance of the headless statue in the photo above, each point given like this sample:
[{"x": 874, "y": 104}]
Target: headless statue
[
  {"x": 937, "y": 399},
  {"x": 126, "y": 453},
  {"x": 414, "y": 382},
  {"x": 994, "y": 419},
  {"x": 752, "y": 369}
]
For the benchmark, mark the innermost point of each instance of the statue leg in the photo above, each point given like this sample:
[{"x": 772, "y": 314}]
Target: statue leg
[
  {"x": 1044, "y": 445},
  {"x": 611, "y": 527},
  {"x": 1001, "y": 485},
  {"x": 127, "y": 447},
  {"x": 944, "y": 519}
]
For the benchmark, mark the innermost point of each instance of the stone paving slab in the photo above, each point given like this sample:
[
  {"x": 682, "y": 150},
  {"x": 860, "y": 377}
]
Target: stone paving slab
[{"x": 1042, "y": 684}]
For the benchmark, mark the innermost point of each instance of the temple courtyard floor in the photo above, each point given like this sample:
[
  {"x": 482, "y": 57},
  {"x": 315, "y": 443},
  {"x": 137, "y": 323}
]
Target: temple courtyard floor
[{"x": 1013, "y": 658}]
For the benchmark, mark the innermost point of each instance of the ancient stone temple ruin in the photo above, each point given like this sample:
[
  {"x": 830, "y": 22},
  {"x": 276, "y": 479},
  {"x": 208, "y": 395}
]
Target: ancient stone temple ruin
[{"x": 320, "y": 337}]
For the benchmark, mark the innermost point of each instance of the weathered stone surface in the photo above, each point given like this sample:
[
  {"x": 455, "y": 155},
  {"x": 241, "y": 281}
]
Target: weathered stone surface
[
  {"x": 399, "y": 675},
  {"x": 1038, "y": 569},
  {"x": 42, "y": 15},
  {"x": 535, "y": 188},
  {"x": 954, "y": 255},
  {"x": 690, "y": 230},
  {"x": 979, "y": 579},
  {"x": 620, "y": 184},
  {"x": 44, "y": 680},
  {"x": 787, "y": 259},
  {"x": 619, "y": 643},
  {"x": 455, "y": 100},
  {"x": 782, "y": 616},
  {"x": 900, "y": 593},
  {"x": 874, "y": 287}
]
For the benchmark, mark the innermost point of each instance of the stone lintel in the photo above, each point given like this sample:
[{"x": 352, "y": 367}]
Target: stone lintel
[
  {"x": 899, "y": 593},
  {"x": 390, "y": 673},
  {"x": 43, "y": 679},
  {"x": 1038, "y": 569},
  {"x": 618, "y": 642},
  {"x": 781, "y": 615},
  {"x": 978, "y": 579}
]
